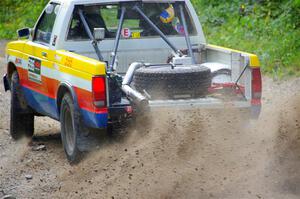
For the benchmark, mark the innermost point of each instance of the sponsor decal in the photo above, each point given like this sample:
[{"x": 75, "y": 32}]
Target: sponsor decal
[
  {"x": 136, "y": 35},
  {"x": 49, "y": 9},
  {"x": 68, "y": 62},
  {"x": 34, "y": 70},
  {"x": 56, "y": 9},
  {"x": 54, "y": 40},
  {"x": 178, "y": 26},
  {"x": 126, "y": 33}
]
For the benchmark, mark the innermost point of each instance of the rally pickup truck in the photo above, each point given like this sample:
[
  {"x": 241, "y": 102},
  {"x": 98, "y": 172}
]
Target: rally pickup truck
[{"x": 93, "y": 64}]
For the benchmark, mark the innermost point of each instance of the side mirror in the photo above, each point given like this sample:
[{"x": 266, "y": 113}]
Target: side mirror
[
  {"x": 24, "y": 33},
  {"x": 99, "y": 33}
]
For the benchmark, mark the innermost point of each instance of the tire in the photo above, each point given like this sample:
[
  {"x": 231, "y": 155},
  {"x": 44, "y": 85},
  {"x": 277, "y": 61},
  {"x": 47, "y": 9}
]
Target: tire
[
  {"x": 21, "y": 115},
  {"x": 70, "y": 129},
  {"x": 163, "y": 82}
]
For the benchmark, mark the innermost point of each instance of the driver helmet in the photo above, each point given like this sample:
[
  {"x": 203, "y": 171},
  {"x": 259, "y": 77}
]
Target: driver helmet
[{"x": 168, "y": 15}]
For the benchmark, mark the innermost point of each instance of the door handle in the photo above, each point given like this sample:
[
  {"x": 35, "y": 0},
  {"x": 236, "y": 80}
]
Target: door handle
[{"x": 44, "y": 54}]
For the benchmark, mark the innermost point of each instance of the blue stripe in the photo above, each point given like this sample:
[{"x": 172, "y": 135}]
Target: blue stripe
[
  {"x": 94, "y": 120},
  {"x": 41, "y": 103},
  {"x": 47, "y": 106}
]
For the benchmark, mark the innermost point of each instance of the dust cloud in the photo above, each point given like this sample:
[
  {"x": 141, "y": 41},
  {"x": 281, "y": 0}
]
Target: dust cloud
[{"x": 171, "y": 154}]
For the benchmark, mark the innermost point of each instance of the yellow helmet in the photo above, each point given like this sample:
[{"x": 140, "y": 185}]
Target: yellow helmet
[{"x": 167, "y": 15}]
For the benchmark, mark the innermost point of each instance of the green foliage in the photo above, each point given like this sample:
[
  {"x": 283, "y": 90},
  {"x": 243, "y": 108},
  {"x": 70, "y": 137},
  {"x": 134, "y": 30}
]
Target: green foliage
[
  {"x": 16, "y": 14},
  {"x": 268, "y": 28}
]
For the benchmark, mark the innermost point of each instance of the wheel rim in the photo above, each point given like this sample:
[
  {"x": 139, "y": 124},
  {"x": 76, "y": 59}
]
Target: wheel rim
[{"x": 69, "y": 132}]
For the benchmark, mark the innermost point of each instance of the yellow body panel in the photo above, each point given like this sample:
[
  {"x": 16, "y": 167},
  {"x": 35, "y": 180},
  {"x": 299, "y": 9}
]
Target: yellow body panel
[
  {"x": 16, "y": 45},
  {"x": 254, "y": 61},
  {"x": 80, "y": 63},
  {"x": 61, "y": 60},
  {"x": 16, "y": 53}
]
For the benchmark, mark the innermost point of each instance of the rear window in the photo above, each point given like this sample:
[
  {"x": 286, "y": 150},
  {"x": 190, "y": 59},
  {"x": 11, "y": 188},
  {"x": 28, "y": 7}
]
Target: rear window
[{"x": 165, "y": 16}]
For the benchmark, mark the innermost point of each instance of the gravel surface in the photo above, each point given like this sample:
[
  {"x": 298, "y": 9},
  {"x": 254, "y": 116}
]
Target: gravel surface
[{"x": 195, "y": 154}]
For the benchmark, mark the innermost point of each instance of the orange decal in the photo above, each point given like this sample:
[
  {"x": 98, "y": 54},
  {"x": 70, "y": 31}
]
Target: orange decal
[{"x": 68, "y": 62}]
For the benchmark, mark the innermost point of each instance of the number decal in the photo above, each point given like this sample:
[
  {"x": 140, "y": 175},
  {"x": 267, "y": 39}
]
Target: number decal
[{"x": 69, "y": 62}]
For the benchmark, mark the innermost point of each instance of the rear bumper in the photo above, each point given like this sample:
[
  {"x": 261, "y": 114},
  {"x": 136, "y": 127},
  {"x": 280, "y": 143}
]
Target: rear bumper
[
  {"x": 209, "y": 102},
  {"x": 206, "y": 103}
]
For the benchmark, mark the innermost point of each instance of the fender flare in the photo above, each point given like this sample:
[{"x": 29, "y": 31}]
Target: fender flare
[
  {"x": 10, "y": 68},
  {"x": 62, "y": 89}
]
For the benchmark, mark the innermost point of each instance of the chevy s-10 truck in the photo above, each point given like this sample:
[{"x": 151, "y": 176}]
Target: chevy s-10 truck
[{"x": 91, "y": 64}]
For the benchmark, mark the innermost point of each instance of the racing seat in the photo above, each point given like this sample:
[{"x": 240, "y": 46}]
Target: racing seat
[{"x": 95, "y": 20}]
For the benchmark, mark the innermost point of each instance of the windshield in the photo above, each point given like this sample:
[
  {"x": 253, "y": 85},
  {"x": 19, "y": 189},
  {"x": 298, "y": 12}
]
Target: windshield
[{"x": 166, "y": 16}]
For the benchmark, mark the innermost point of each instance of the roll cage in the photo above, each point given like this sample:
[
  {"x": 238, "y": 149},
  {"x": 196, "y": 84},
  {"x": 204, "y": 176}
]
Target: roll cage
[{"x": 137, "y": 8}]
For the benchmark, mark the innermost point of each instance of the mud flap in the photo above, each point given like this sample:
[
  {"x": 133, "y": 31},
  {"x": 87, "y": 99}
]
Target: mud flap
[{"x": 6, "y": 83}]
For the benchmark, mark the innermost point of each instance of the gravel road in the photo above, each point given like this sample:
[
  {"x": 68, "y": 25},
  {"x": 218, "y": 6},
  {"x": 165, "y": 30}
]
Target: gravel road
[{"x": 194, "y": 154}]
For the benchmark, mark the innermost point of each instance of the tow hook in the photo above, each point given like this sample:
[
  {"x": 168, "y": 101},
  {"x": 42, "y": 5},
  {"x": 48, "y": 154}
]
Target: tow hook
[{"x": 6, "y": 83}]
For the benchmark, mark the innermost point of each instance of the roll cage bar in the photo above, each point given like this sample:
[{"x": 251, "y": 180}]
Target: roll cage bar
[{"x": 138, "y": 9}]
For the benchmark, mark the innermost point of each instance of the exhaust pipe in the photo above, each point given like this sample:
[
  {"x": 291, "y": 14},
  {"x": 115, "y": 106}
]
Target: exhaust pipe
[{"x": 134, "y": 95}]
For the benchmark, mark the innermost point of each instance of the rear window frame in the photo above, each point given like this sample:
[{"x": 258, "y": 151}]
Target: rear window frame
[{"x": 113, "y": 38}]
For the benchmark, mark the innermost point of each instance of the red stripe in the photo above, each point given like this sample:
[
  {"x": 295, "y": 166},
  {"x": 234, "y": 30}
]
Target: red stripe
[
  {"x": 48, "y": 87},
  {"x": 85, "y": 101},
  {"x": 97, "y": 110}
]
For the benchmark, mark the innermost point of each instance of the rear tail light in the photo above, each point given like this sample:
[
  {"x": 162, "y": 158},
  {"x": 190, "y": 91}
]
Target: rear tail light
[
  {"x": 256, "y": 86},
  {"x": 129, "y": 109},
  {"x": 99, "y": 91}
]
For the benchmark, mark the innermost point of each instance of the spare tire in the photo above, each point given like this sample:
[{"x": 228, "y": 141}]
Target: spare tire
[{"x": 163, "y": 82}]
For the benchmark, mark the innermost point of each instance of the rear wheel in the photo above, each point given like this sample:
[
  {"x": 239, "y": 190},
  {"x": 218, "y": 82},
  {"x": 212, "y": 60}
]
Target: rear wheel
[
  {"x": 21, "y": 116},
  {"x": 70, "y": 133}
]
